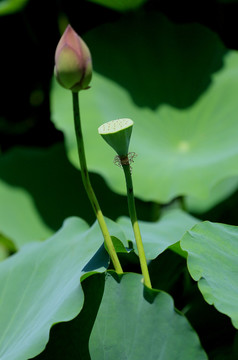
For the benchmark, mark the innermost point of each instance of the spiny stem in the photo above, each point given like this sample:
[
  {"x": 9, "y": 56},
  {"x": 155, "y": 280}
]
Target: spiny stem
[
  {"x": 88, "y": 186},
  {"x": 134, "y": 221}
]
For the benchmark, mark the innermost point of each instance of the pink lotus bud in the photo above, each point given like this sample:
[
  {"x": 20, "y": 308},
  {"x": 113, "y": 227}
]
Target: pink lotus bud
[{"x": 73, "y": 64}]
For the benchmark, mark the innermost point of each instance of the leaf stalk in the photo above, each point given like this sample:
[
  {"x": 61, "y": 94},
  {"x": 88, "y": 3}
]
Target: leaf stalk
[
  {"x": 132, "y": 212},
  {"x": 88, "y": 187}
]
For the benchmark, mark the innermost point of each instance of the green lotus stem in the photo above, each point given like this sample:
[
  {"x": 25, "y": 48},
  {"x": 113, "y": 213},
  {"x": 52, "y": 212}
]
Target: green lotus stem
[
  {"x": 132, "y": 211},
  {"x": 88, "y": 186}
]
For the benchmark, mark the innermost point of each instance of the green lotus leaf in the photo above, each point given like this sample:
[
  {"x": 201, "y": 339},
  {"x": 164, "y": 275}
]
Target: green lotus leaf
[
  {"x": 139, "y": 326},
  {"x": 40, "y": 286},
  {"x": 212, "y": 261},
  {"x": 69, "y": 340}
]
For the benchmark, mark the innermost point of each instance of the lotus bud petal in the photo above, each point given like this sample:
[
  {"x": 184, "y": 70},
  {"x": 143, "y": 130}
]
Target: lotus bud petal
[
  {"x": 117, "y": 134},
  {"x": 73, "y": 64}
]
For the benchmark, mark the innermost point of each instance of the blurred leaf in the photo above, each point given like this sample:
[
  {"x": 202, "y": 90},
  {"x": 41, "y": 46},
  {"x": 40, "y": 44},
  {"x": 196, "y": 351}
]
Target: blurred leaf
[
  {"x": 6, "y": 247},
  {"x": 184, "y": 110},
  {"x": 49, "y": 189},
  {"x": 132, "y": 325},
  {"x": 40, "y": 286},
  {"x": 160, "y": 235},
  {"x": 119, "y": 247},
  {"x": 219, "y": 192},
  {"x": 178, "y": 250},
  {"x": 120, "y": 5},
  {"x": 3, "y": 252},
  {"x": 19, "y": 221},
  {"x": 53, "y": 184},
  {"x": 11, "y": 6},
  {"x": 212, "y": 261}
]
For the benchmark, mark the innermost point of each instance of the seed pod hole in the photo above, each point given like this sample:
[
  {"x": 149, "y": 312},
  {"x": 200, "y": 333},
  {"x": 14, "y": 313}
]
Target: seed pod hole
[{"x": 115, "y": 126}]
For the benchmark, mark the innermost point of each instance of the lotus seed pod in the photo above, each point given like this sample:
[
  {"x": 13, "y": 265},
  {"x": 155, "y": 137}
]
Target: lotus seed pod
[
  {"x": 73, "y": 64},
  {"x": 117, "y": 134}
]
